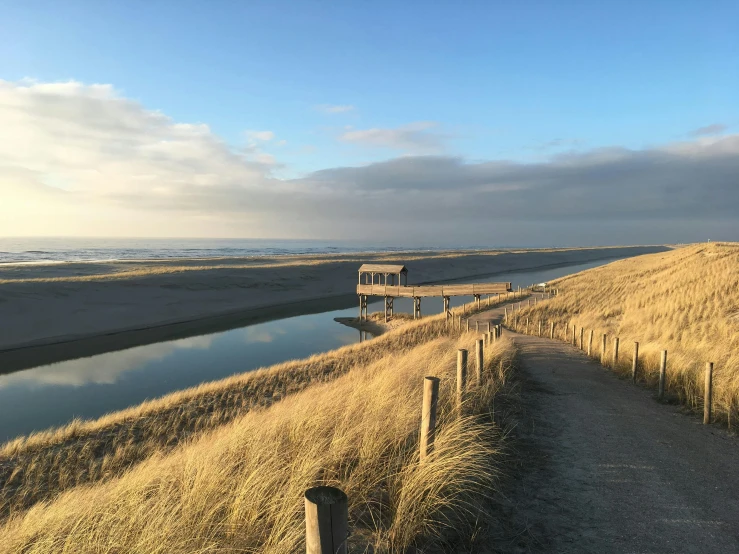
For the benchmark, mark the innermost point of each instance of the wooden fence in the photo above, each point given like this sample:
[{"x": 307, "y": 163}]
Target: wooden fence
[
  {"x": 326, "y": 508},
  {"x": 516, "y": 325}
]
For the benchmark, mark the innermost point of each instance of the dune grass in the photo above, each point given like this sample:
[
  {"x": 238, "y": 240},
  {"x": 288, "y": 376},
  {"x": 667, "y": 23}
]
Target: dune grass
[
  {"x": 38, "y": 467},
  {"x": 685, "y": 301},
  {"x": 238, "y": 488}
]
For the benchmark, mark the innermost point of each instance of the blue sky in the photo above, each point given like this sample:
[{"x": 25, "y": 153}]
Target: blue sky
[
  {"x": 500, "y": 80},
  {"x": 485, "y": 82}
]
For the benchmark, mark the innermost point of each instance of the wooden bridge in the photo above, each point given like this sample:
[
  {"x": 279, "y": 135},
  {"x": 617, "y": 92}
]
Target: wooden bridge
[{"x": 387, "y": 287}]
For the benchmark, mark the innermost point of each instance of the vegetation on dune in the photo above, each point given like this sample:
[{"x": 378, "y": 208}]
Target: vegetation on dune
[
  {"x": 35, "y": 468},
  {"x": 240, "y": 487},
  {"x": 685, "y": 301},
  {"x": 38, "y": 467}
]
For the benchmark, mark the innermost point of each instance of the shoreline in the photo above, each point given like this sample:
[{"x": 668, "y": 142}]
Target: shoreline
[{"x": 204, "y": 317}]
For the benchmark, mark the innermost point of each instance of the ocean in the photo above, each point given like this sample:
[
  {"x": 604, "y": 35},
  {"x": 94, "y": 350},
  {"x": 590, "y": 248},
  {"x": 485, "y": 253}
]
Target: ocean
[{"x": 32, "y": 250}]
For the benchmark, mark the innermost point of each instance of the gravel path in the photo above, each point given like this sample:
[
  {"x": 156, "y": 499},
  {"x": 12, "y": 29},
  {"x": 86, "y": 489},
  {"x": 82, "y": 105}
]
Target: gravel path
[{"x": 604, "y": 467}]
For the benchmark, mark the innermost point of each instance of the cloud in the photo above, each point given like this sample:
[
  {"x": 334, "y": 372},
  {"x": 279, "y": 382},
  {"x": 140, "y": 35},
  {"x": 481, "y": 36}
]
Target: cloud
[
  {"x": 263, "y": 136},
  {"x": 411, "y": 138},
  {"x": 335, "y": 108},
  {"x": 558, "y": 143},
  {"x": 80, "y": 159},
  {"x": 708, "y": 130}
]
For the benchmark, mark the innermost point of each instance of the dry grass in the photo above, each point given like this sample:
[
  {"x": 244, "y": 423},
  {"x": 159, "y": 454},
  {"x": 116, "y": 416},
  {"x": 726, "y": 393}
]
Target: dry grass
[
  {"x": 38, "y": 467},
  {"x": 239, "y": 488},
  {"x": 685, "y": 301}
]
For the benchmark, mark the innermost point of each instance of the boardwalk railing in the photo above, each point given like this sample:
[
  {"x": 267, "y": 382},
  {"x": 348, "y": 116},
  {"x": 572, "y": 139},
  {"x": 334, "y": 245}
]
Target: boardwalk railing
[{"x": 434, "y": 290}]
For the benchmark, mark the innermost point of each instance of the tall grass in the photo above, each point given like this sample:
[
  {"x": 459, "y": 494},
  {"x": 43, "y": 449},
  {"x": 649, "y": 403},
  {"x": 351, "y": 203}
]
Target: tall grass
[
  {"x": 239, "y": 488},
  {"x": 37, "y": 467},
  {"x": 685, "y": 301}
]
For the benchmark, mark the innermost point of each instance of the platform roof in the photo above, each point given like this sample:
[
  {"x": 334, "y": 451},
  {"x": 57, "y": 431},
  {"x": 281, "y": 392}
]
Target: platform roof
[{"x": 383, "y": 268}]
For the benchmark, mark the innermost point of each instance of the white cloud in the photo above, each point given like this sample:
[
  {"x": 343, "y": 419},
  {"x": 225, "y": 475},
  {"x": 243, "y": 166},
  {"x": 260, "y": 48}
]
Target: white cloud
[
  {"x": 263, "y": 136},
  {"x": 334, "y": 109},
  {"x": 713, "y": 129},
  {"x": 414, "y": 138},
  {"x": 79, "y": 159}
]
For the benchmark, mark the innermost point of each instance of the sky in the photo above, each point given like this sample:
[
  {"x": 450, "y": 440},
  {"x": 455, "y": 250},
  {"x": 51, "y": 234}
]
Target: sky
[{"x": 438, "y": 122}]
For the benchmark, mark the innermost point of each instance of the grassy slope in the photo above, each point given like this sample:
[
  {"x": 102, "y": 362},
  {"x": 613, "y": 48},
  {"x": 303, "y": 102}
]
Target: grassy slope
[
  {"x": 239, "y": 487},
  {"x": 685, "y": 301},
  {"x": 36, "y": 468}
]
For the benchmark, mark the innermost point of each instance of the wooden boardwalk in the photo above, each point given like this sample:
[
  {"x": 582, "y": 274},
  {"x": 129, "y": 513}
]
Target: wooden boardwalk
[{"x": 390, "y": 288}]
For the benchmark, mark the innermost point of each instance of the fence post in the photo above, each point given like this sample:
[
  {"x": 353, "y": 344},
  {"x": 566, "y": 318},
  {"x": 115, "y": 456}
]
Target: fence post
[
  {"x": 461, "y": 375},
  {"x": 468, "y": 325},
  {"x": 662, "y": 372},
  {"x": 582, "y": 338},
  {"x": 428, "y": 415},
  {"x": 615, "y": 351},
  {"x": 540, "y": 327},
  {"x": 590, "y": 343},
  {"x": 635, "y": 362},
  {"x": 708, "y": 394},
  {"x": 505, "y": 315},
  {"x": 603, "y": 349},
  {"x": 574, "y": 335},
  {"x": 477, "y": 326},
  {"x": 479, "y": 355},
  {"x": 551, "y": 330},
  {"x": 527, "y": 325},
  {"x": 489, "y": 325},
  {"x": 326, "y": 521}
]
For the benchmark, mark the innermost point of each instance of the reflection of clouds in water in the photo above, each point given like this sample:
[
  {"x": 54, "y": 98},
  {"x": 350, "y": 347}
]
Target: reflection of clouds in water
[
  {"x": 258, "y": 334},
  {"x": 104, "y": 369}
]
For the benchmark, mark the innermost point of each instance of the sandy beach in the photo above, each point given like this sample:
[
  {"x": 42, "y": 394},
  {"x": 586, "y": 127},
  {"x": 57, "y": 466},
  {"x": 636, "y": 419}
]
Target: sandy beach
[{"x": 49, "y": 312}]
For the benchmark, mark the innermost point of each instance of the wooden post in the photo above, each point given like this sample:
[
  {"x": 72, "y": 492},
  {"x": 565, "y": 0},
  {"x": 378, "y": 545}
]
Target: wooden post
[
  {"x": 459, "y": 322},
  {"x": 603, "y": 350},
  {"x": 590, "y": 343},
  {"x": 489, "y": 324},
  {"x": 582, "y": 338},
  {"x": 540, "y": 327},
  {"x": 662, "y": 374},
  {"x": 468, "y": 325},
  {"x": 505, "y": 315},
  {"x": 708, "y": 394},
  {"x": 527, "y": 325},
  {"x": 615, "y": 351},
  {"x": 551, "y": 330},
  {"x": 326, "y": 521},
  {"x": 635, "y": 362},
  {"x": 428, "y": 415},
  {"x": 480, "y": 359},
  {"x": 461, "y": 375}
]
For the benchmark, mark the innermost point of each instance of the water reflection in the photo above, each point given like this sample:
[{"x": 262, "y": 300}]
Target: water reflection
[
  {"x": 104, "y": 369},
  {"x": 52, "y": 395}
]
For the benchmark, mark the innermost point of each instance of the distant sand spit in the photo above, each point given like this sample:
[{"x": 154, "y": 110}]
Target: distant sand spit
[{"x": 86, "y": 308}]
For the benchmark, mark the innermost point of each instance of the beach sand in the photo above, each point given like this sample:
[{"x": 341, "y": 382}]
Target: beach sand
[{"x": 56, "y": 311}]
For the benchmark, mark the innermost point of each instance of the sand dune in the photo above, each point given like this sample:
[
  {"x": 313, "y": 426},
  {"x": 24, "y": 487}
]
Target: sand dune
[{"x": 140, "y": 301}]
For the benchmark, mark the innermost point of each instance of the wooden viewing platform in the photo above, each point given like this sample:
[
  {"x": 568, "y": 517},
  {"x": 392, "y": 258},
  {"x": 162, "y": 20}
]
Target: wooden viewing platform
[{"x": 387, "y": 287}]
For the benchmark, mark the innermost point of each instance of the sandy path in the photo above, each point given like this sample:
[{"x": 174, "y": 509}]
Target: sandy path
[{"x": 605, "y": 468}]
